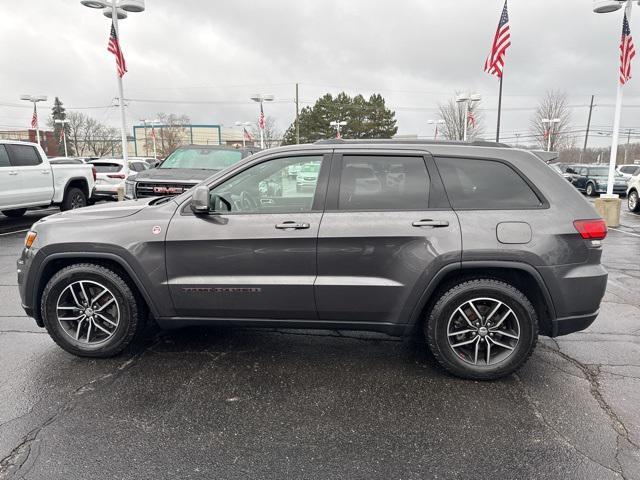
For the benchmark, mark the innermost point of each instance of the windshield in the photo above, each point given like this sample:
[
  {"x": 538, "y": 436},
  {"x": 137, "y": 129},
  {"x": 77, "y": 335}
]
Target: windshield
[{"x": 202, "y": 158}]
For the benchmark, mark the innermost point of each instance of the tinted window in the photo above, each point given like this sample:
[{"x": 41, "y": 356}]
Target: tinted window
[
  {"x": 383, "y": 183},
  {"x": 106, "y": 167},
  {"x": 4, "y": 158},
  {"x": 599, "y": 172},
  {"x": 480, "y": 184},
  {"x": 202, "y": 158},
  {"x": 23, "y": 155},
  {"x": 135, "y": 167}
]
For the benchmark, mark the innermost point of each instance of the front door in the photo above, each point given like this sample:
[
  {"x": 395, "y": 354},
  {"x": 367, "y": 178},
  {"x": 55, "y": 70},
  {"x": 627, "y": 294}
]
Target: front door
[
  {"x": 32, "y": 177},
  {"x": 385, "y": 232},
  {"x": 256, "y": 256}
]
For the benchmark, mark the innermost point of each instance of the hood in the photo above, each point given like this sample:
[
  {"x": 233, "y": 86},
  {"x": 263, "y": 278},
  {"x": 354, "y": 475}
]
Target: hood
[
  {"x": 101, "y": 211},
  {"x": 187, "y": 175}
]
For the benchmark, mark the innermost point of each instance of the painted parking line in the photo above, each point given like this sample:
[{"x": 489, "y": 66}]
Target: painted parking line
[
  {"x": 13, "y": 233},
  {"x": 622, "y": 231}
]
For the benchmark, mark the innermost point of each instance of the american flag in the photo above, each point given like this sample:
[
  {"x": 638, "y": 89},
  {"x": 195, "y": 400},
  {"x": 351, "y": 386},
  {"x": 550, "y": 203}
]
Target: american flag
[
  {"x": 247, "y": 135},
  {"x": 34, "y": 117},
  {"x": 114, "y": 47},
  {"x": 261, "y": 123},
  {"x": 471, "y": 118},
  {"x": 501, "y": 42},
  {"x": 627, "y": 52}
]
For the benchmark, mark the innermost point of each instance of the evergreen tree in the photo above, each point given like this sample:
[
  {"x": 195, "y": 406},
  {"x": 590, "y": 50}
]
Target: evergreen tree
[
  {"x": 58, "y": 112},
  {"x": 365, "y": 119}
]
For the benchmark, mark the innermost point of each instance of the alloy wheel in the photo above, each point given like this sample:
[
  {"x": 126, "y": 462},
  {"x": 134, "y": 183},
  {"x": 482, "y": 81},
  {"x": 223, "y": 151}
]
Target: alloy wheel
[
  {"x": 483, "y": 331},
  {"x": 632, "y": 201},
  {"x": 88, "y": 312},
  {"x": 77, "y": 201}
]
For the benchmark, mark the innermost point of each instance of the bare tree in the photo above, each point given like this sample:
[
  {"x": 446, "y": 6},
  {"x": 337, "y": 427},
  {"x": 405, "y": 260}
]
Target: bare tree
[
  {"x": 552, "y": 106},
  {"x": 76, "y": 125},
  {"x": 453, "y": 114},
  {"x": 172, "y": 134},
  {"x": 272, "y": 134}
]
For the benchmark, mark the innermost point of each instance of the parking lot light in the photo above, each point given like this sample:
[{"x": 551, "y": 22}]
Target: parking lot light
[
  {"x": 550, "y": 122},
  {"x": 260, "y": 98},
  {"x": 436, "y": 123},
  {"x": 35, "y": 99},
  {"x": 244, "y": 126},
  {"x": 468, "y": 100},
  {"x": 337, "y": 124}
]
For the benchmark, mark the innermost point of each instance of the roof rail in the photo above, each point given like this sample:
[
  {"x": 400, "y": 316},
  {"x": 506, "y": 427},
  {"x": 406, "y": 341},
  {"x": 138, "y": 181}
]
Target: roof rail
[{"x": 474, "y": 143}]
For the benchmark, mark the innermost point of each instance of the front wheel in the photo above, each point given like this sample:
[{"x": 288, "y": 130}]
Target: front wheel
[
  {"x": 482, "y": 329},
  {"x": 90, "y": 311},
  {"x": 633, "y": 202},
  {"x": 17, "y": 213},
  {"x": 591, "y": 190}
]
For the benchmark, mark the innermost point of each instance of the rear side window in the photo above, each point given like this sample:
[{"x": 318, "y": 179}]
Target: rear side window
[
  {"x": 4, "y": 158},
  {"x": 383, "y": 183},
  {"x": 484, "y": 184},
  {"x": 104, "y": 167},
  {"x": 23, "y": 155}
]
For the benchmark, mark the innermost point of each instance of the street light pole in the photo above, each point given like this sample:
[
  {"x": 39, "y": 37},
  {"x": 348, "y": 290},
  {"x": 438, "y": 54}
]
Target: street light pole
[
  {"x": 468, "y": 100},
  {"x": 436, "y": 123},
  {"x": 337, "y": 124},
  {"x": 35, "y": 99},
  {"x": 549, "y": 122},
  {"x": 261, "y": 99},
  {"x": 244, "y": 126}
]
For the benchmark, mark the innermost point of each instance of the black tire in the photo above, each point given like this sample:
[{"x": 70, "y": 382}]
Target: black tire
[
  {"x": 73, "y": 198},
  {"x": 17, "y": 213},
  {"x": 633, "y": 201},
  {"x": 590, "y": 190},
  {"x": 437, "y": 324},
  {"x": 131, "y": 310}
]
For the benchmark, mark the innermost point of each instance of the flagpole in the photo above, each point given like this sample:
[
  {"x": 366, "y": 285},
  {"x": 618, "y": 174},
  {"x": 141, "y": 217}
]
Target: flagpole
[
  {"x": 35, "y": 111},
  {"x": 123, "y": 118},
  {"x": 616, "y": 122},
  {"x": 499, "y": 109}
]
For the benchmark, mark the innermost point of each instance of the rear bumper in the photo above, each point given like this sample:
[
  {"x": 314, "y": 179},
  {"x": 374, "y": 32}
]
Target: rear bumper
[{"x": 567, "y": 325}]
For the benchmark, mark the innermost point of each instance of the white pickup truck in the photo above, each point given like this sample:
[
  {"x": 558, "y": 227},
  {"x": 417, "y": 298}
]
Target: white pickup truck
[{"x": 28, "y": 180}]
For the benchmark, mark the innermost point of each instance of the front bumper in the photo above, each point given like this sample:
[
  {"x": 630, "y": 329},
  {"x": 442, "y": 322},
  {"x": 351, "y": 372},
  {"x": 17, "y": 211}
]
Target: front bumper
[{"x": 619, "y": 189}]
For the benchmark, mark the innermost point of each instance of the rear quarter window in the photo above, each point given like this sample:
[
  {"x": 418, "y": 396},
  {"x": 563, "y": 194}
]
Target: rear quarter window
[{"x": 485, "y": 184}]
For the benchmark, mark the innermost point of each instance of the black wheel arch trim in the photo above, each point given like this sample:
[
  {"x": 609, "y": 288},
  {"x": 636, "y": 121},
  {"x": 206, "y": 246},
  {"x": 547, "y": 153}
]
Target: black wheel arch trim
[
  {"x": 436, "y": 281},
  {"x": 86, "y": 190},
  {"x": 35, "y": 279}
]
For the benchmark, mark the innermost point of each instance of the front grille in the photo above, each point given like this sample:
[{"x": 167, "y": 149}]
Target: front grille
[{"x": 144, "y": 189}]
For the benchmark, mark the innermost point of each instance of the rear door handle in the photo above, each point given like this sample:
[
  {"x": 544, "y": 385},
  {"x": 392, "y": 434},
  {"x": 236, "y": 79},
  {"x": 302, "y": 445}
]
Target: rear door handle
[
  {"x": 13, "y": 172},
  {"x": 292, "y": 226},
  {"x": 431, "y": 223}
]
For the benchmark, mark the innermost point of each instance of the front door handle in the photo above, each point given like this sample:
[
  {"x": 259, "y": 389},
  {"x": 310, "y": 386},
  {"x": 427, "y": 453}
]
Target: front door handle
[
  {"x": 431, "y": 223},
  {"x": 292, "y": 226},
  {"x": 46, "y": 172},
  {"x": 13, "y": 172}
]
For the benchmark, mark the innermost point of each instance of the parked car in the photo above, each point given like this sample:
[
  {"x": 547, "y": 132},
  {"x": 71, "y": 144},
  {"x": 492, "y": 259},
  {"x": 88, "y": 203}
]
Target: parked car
[
  {"x": 152, "y": 162},
  {"x": 592, "y": 179},
  {"x": 111, "y": 175},
  {"x": 482, "y": 248},
  {"x": 29, "y": 180},
  {"x": 628, "y": 171},
  {"x": 307, "y": 176},
  {"x": 185, "y": 167},
  {"x": 558, "y": 169},
  {"x": 633, "y": 193}
]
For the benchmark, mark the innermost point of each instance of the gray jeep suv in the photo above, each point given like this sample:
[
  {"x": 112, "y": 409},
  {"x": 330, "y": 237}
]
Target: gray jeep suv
[{"x": 480, "y": 247}]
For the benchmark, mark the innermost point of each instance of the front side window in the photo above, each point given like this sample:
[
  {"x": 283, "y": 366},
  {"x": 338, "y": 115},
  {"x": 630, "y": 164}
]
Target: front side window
[
  {"x": 383, "y": 183},
  {"x": 202, "y": 158},
  {"x": 23, "y": 155},
  {"x": 484, "y": 184},
  {"x": 283, "y": 185}
]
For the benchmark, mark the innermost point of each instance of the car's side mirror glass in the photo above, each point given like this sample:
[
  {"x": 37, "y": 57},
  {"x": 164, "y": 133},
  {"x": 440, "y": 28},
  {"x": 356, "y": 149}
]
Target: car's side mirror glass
[{"x": 200, "y": 200}]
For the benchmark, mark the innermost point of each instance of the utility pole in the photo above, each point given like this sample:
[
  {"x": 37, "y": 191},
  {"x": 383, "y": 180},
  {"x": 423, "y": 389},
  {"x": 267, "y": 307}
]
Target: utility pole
[
  {"x": 297, "y": 116},
  {"x": 586, "y": 137}
]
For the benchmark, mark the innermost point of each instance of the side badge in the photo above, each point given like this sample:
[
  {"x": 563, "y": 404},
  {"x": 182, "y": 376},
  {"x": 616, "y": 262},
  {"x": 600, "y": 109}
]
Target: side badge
[{"x": 156, "y": 230}]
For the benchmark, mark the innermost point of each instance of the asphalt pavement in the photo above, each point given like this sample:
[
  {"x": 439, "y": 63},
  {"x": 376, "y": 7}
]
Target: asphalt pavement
[{"x": 244, "y": 403}]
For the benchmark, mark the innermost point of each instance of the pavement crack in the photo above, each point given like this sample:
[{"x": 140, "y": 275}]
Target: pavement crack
[{"x": 564, "y": 439}]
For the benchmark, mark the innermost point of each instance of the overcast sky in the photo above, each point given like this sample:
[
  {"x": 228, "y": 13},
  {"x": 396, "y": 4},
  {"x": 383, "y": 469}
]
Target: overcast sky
[{"x": 416, "y": 53}]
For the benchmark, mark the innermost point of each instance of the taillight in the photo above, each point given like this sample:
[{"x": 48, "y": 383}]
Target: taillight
[
  {"x": 94, "y": 172},
  {"x": 117, "y": 175},
  {"x": 591, "y": 229}
]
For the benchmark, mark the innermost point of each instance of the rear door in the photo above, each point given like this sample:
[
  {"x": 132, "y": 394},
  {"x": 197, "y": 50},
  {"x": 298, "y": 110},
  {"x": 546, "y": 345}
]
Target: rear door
[
  {"x": 387, "y": 229},
  {"x": 32, "y": 176}
]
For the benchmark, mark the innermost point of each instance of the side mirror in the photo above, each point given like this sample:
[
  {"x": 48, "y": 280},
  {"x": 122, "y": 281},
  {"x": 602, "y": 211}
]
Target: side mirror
[{"x": 200, "y": 200}]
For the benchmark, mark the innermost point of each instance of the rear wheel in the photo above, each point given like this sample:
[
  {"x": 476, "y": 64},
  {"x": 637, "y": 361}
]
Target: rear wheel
[
  {"x": 591, "y": 189},
  {"x": 633, "y": 201},
  {"x": 74, "y": 198},
  {"x": 18, "y": 212},
  {"x": 482, "y": 329},
  {"x": 90, "y": 311}
]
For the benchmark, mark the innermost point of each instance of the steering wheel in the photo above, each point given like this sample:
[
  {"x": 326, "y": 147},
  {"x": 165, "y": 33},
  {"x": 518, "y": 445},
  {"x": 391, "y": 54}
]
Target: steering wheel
[{"x": 247, "y": 201}]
